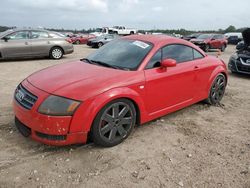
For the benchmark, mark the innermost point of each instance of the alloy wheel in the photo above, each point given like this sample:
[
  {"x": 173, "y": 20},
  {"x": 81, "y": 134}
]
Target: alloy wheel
[
  {"x": 116, "y": 122},
  {"x": 218, "y": 89},
  {"x": 57, "y": 53}
]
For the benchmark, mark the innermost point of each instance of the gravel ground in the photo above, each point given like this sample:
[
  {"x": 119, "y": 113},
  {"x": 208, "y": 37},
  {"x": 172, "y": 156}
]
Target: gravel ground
[{"x": 199, "y": 146}]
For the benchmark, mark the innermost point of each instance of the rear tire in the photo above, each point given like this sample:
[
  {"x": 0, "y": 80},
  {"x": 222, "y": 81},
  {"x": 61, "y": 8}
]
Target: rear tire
[
  {"x": 217, "y": 90},
  {"x": 56, "y": 53},
  {"x": 99, "y": 45},
  {"x": 114, "y": 123}
]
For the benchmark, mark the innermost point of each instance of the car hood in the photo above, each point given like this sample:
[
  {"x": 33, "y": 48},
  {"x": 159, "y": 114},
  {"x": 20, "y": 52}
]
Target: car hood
[
  {"x": 246, "y": 36},
  {"x": 80, "y": 80}
]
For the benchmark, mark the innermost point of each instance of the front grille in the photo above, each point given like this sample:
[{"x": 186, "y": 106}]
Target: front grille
[
  {"x": 243, "y": 68},
  {"x": 25, "y": 98},
  {"x": 51, "y": 137}
]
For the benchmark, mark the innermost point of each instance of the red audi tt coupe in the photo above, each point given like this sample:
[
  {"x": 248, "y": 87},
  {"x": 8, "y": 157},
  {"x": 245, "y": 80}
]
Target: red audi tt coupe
[{"x": 128, "y": 82}]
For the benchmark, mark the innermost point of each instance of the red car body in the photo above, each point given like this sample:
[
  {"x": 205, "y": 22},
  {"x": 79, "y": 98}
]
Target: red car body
[
  {"x": 83, "y": 39},
  {"x": 155, "y": 92},
  {"x": 214, "y": 41}
]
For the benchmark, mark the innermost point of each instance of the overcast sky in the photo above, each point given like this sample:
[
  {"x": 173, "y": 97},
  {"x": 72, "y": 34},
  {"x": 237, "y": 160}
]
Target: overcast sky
[{"x": 141, "y": 14}]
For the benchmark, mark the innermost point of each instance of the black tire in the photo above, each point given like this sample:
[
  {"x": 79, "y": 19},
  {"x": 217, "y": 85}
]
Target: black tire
[
  {"x": 99, "y": 45},
  {"x": 132, "y": 32},
  {"x": 217, "y": 90},
  {"x": 223, "y": 47},
  {"x": 56, "y": 53},
  {"x": 114, "y": 123},
  {"x": 206, "y": 48}
]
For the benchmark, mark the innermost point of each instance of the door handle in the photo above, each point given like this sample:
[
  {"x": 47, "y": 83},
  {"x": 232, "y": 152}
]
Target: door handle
[{"x": 196, "y": 67}]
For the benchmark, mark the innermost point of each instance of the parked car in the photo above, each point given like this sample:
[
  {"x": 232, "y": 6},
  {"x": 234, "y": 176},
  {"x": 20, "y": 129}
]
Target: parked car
[
  {"x": 101, "y": 40},
  {"x": 210, "y": 41},
  {"x": 234, "y": 40},
  {"x": 131, "y": 80},
  {"x": 81, "y": 39},
  {"x": 240, "y": 61},
  {"x": 192, "y": 36},
  {"x": 19, "y": 43},
  {"x": 121, "y": 30},
  {"x": 100, "y": 31}
]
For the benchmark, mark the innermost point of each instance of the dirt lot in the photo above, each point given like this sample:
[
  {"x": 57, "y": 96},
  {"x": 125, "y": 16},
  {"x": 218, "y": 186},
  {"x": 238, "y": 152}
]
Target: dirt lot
[{"x": 199, "y": 146}]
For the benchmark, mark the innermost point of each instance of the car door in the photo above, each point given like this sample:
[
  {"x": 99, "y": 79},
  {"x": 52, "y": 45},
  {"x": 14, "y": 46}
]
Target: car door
[
  {"x": 215, "y": 42},
  {"x": 17, "y": 44},
  {"x": 173, "y": 86},
  {"x": 40, "y": 43}
]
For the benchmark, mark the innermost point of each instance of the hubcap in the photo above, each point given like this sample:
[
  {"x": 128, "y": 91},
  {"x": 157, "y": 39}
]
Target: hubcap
[
  {"x": 218, "y": 89},
  {"x": 57, "y": 53},
  {"x": 116, "y": 121}
]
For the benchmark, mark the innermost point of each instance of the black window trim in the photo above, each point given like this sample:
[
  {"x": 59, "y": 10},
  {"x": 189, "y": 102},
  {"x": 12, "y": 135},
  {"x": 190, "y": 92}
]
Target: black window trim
[{"x": 145, "y": 68}]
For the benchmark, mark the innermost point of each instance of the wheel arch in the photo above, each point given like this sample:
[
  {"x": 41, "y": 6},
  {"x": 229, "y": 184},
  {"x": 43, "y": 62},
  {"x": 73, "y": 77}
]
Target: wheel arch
[
  {"x": 218, "y": 70},
  {"x": 98, "y": 102}
]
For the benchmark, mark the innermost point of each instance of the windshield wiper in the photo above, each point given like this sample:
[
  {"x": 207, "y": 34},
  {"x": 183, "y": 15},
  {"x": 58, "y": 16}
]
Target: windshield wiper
[
  {"x": 87, "y": 60},
  {"x": 105, "y": 64}
]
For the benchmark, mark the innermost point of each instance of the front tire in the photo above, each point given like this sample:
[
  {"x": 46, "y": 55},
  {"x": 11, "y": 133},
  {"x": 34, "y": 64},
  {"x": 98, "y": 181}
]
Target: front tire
[
  {"x": 206, "y": 48},
  {"x": 217, "y": 90},
  {"x": 223, "y": 47},
  {"x": 56, "y": 53},
  {"x": 114, "y": 123}
]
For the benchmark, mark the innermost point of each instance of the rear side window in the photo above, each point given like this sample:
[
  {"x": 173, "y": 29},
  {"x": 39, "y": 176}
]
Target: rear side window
[
  {"x": 180, "y": 53},
  {"x": 197, "y": 55},
  {"x": 39, "y": 35},
  {"x": 19, "y": 35}
]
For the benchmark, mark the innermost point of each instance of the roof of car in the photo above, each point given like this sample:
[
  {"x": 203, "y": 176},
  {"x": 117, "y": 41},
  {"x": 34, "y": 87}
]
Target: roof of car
[
  {"x": 28, "y": 29},
  {"x": 157, "y": 39},
  {"x": 162, "y": 40}
]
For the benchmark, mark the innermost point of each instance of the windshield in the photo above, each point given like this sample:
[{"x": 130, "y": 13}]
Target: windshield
[
  {"x": 205, "y": 36},
  {"x": 122, "y": 53}
]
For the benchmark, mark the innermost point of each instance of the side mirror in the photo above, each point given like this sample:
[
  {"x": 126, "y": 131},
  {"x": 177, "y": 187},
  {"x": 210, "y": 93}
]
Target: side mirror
[
  {"x": 105, "y": 38},
  {"x": 6, "y": 38},
  {"x": 168, "y": 63}
]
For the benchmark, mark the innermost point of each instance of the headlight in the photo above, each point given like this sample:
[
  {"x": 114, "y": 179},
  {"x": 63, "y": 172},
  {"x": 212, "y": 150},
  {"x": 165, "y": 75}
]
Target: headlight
[{"x": 58, "y": 106}]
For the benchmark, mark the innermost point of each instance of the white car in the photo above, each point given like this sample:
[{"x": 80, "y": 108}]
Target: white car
[{"x": 121, "y": 30}]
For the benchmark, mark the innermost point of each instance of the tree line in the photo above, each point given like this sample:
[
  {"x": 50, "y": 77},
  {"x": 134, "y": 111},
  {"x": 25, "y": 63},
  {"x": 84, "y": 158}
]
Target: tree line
[{"x": 230, "y": 28}]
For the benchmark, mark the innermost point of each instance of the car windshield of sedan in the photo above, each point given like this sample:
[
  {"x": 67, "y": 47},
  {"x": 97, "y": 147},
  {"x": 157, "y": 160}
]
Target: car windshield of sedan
[
  {"x": 204, "y": 36},
  {"x": 121, "y": 54}
]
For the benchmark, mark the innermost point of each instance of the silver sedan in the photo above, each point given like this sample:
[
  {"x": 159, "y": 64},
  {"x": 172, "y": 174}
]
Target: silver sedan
[{"x": 19, "y": 43}]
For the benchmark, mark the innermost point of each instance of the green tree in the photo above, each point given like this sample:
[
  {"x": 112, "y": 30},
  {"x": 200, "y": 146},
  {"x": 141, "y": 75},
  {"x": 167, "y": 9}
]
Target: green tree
[{"x": 231, "y": 28}]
